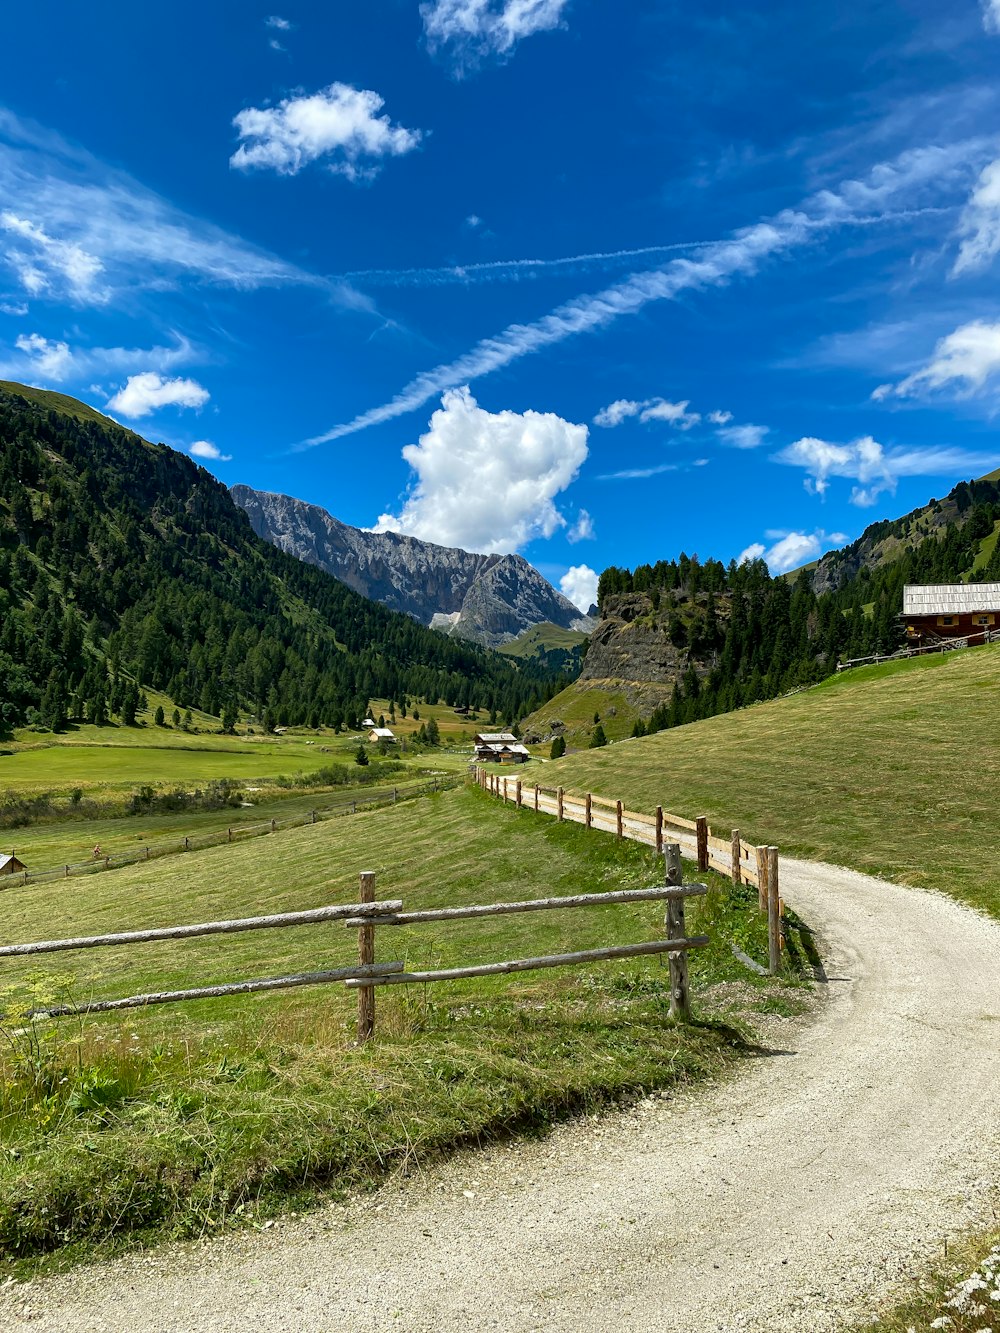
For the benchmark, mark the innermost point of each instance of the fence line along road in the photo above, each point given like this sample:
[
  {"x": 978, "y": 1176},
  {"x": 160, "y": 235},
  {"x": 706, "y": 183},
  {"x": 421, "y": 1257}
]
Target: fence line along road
[
  {"x": 744, "y": 862},
  {"x": 372, "y": 799}
]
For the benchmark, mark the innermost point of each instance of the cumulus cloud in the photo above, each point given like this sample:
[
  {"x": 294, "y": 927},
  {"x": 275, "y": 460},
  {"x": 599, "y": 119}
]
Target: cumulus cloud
[
  {"x": 790, "y": 550},
  {"x": 720, "y": 418},
  {"x": 56, "y": 361},
  {"x": 339, "y": 123},
  {"x": 488, "y": 481},
  {"x": 742, "y": 437},
  {"x": 579, "y": 584},
  {"x": 991, "y": 15},
  {"x": 475, "y": 29},
  {"x": 146, "y": 392},
  {"x": 875, "y": 469},
  {"x": 206, "y": 449},
  {"x": 583, "y": 529},
  {"x": 649, "y": 409},
  {"x": 965, "y": 359},
  {"x": 277, "y": 22}
]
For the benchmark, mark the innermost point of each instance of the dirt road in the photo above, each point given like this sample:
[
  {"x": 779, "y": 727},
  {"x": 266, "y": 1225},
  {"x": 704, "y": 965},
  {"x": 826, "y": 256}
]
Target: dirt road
[{"x": 790, "y": 1198}]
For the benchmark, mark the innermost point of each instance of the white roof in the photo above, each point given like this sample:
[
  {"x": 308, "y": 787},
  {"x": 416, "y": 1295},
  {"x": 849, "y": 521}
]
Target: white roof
[
  {"x": 950, "y": 599},
  {"x": 505, "y": 748},
  {"x": 496, "y": 737},
  {"x": 6, "y": 860},
  {"x": 383, "y": 734}
]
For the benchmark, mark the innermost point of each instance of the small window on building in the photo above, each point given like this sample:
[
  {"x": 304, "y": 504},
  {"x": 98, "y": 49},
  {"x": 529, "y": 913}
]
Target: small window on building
[
  {"x": 947, "y": 620},
  {"x": 983, "y": 620}
]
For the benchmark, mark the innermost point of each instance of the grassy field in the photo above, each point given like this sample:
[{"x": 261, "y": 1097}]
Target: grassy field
[
  {"x": 540, "y": 638},
  {"x": 173, "y": 1120},
  {"x": 575, "y": 707},
  {"x": 889, "y": 769}
]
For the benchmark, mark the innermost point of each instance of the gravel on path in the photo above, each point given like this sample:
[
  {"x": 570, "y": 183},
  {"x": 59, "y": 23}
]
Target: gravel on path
[{"x": 794, "y": 1196}]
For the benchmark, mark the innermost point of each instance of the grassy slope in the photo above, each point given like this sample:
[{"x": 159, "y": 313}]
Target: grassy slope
[
  {"x": 889, "y": 769},
  {"x": 57, "y": 402},
  {"x": 539, "y": 638},
  {"x": 175, "y": 1117},
  {"x": 575, "y": 708}
]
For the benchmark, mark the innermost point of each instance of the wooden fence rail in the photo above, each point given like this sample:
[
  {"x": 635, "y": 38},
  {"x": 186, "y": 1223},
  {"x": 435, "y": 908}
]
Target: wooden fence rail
[{"x": 743, "y": 862}]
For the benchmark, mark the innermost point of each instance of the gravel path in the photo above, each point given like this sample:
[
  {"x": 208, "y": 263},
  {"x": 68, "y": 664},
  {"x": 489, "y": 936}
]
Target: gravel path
[{"x": 791, "y": 1197}]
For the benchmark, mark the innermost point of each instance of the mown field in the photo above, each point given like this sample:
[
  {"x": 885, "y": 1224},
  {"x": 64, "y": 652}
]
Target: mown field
[
  {"x": 891, "y": 770},
  {"x": 174, "y": 1120}
]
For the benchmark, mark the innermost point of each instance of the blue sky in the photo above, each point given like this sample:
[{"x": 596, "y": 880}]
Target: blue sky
[{"x": 599, "y": 283}]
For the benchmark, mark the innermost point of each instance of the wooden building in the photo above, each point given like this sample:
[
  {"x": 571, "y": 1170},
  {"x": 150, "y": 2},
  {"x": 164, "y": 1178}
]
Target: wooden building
[
  {"x": 381, "y": 734},
  {"x": 934, "y": 611},
  {"x": 500, "y": 748},
  {"x": 10, "y": 865}
]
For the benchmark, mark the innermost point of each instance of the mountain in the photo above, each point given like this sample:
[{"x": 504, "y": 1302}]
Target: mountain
[
  {"x": 489, "y": 599},
  {"x": 124, "y": 564},
  {"x": 680, "y": 640}
]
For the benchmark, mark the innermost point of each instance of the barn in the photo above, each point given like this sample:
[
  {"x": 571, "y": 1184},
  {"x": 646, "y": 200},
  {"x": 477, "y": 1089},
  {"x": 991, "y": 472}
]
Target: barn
[
  {"x": 381, "y": 734},
  {"x": 935, "y": 611},
  {"x": 10, "y": 865}
]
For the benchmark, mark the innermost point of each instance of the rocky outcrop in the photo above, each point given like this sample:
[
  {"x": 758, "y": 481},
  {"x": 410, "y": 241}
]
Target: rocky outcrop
[{"x": 490, "y": 599}]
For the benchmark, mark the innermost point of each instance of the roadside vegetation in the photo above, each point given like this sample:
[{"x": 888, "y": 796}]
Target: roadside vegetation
[{"x": 177, "y": 1120}]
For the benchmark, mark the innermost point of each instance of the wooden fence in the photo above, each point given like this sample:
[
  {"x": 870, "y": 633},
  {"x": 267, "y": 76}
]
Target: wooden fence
[
  {"x": 366, "y": 974},
  {"x": 370, "y": 799},
  {"x": 944, "y": 646},
  {"x": 743, "y": 862}
]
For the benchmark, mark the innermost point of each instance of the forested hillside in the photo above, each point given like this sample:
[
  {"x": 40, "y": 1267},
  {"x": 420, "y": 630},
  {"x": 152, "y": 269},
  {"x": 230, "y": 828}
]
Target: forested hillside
[
  {"x": 125, "y": 565},
  {"x": 746, "y": 636}
]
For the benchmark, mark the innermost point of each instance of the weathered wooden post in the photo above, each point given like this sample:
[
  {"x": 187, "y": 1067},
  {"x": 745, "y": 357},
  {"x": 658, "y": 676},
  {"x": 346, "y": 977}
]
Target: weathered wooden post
[
  {"x": 186, "y": 844},
  {"x": 762, "y": 878},
  {"x": 366, "y": 956},
  {"x": 736, "y": 857},
  {"x": 659, "y": 829},
  {"x": 773, "y": 913},
  {"x": 517, "y": 792},
  {"x": 680, "y": 999},
  {"x": 588, "y": 814},
  {"x": 559, "y": 803},
  {"x": 536, "y": 797},
  {"x": 618, "y": 819},
  {"x": 313, "y": 812},
  {"x": 274, "y": 825},
  {"x": 230, "y": 835},
  {"x": 66, "y": 876},
  {"x": 701, "y": 833}
]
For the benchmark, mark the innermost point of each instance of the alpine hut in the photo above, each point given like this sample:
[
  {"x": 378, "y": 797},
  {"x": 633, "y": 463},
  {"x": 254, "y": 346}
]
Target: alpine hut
[
  {"x": 936, "y": 611},
  {"x": 10, "y": 865}
]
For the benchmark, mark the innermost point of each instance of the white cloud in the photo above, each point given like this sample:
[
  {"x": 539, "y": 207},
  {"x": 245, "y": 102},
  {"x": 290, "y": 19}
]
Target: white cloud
[
  {"x": 752, "y": 552},
  {"x": 474, "y": 29},
  {"x": 875, "y": 469},
  {"x": 639, "y": 473},
  {"x": 991, "y": 15},
  {"x": 473, "y": 221},
  {"x": 339, "y": 123},
  {"x": 56, "y": 361},
  {"x": 51, "y": 359},
  {"x": 75, "y": 230},
  {"x": 720, "y": 418},
  {"x": 967, "y": 358},
  {"x": 583, "y": 529},
  {"x": 487, "y": 481},
  {"x": 146, "y": 392},
  {"x": 579, "y": 584},
  {"x": 790, "y": 550},
  {"x": 649, "y": 409},
  {"x": 205, "y": 449},
  {"x": 905, "y": 180},
  {"x": 17, "y": 309},
  {"x": 276, "y": 21},
  {"x": 979, "y": 225},
  {"x": 742, "y": 437}
]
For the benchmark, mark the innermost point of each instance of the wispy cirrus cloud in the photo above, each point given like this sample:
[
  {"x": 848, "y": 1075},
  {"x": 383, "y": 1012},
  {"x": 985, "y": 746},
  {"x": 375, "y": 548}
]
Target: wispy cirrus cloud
[
  {"x": 742, "y": 437},
  {"x": 890, "y": 189},
  {"x": 875, "y": 469},
  {"x": 44, "y": 361},
  {"x": 963, "y": 360},
  {"x": 474, "y": 30},
  {"x": 991, "y": 15},
  {"x": 339, "y": 124},
  {"x": 75, "y": 230}
]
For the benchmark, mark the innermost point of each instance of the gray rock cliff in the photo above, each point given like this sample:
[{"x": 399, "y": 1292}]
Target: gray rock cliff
[{"x": 490, "y": 599}]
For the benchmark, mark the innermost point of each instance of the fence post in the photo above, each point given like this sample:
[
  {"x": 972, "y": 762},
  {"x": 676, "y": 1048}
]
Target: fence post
[
  {"x": 559, "y": 803},
  {"x": 366, "y": 956},
  {"x": 701, "y": 833},
  {"x": 230, "y": 835},
  {"x": 659, "y": 829},
  {"x": 588, "y": 816},
  {"x": 773, "y": 913},
  {"x": 107, "y": 866},
  {"x": 66, "y": 876},
  {"x": 147, "y": 853},
  {"x": 680, "y": 999},
  {"x": 273, "y": 825},
  {"x": 313, "y": 812},
  {"x": 618, "y": 819},
  {"x": 394, "y": 795},
  {"x": 536, "y": 797},
  {"x": 736, "y": 857},
  {"x": 762, "y": 878},
  {"x": 517, "y": 792}
]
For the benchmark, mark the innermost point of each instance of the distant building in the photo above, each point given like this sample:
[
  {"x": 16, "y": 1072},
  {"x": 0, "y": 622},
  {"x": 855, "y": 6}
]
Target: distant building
[
  {"x": 368, "y": 722},
  {"x": 502, "y": 752},
  {"x": 495, "y": 738},
  {"x": 381, "y": 734},
  {"x": 933, "y": 611},
  {"x": 10, "y": 865}
]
